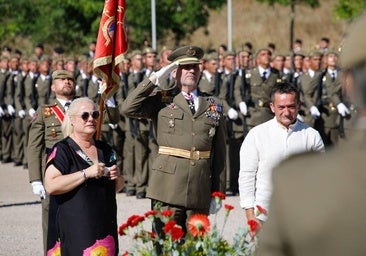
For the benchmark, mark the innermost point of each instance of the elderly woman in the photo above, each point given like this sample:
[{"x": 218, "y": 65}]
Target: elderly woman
[{"x": 82, "y": 177}]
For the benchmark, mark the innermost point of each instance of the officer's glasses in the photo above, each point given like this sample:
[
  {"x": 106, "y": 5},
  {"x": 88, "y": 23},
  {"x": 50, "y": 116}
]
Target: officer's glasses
[{"x": 85, "y": 115}]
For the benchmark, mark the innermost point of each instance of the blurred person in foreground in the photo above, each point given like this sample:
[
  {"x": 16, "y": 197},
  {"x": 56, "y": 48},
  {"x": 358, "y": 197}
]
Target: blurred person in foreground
[
  {"x": 269, "y": 143},
  {"x": 318, "y": 204},
  {"x": 190, "y": 133},
  {"x": 82, "y": 175}
]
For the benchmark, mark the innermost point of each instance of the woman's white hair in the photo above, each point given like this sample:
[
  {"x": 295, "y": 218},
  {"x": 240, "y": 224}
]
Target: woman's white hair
[{"x": 67, "y": 127}]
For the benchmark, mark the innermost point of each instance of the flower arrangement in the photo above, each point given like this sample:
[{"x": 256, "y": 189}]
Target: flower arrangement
[{"x": 202, "y": 238}]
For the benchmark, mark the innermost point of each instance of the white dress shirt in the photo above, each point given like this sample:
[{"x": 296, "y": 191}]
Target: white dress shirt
[{"x": 265, "y": 146}]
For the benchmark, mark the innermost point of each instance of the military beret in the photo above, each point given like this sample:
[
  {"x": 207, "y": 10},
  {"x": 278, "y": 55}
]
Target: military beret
[
  {"x": 261, "y": 50},
  {"x": 135, "y": 52},
  {"x": 332, "y": 51},
  {"x": 211, "y": 56},
  {"x": 186, "y": 55},
  {"x": 354, "y": 51},
  {"x": 229, "y": 53},
  {"x": 315, "y": 54},
  {"x": 300, "y": 53},
  {"x": 149, "y": 50},
  {"x": 62, "y": 74}
]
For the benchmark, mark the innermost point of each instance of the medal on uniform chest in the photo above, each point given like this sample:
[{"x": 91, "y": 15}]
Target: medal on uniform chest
[
  {"x": 47, "y": 111},
  {"x": 212, "y": 131},
  {"x": 53, "y": 133},
  {"x": 171, "y": 123}
]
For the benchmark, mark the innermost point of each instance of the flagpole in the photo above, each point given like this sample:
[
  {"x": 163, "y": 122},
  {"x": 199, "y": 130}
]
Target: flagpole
[
  {"x": 153, "y": 24},
  {"x": 100, "y": 120}
]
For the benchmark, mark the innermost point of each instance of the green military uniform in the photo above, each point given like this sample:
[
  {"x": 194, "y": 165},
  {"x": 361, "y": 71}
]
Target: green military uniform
[
  {"x": 326, "y": 95},
  {"x": 136, "y": 149},
  {"x": 309, "y": 215},
  {"x": 44, "y": 132},
  {"x": 19, "y": 129},
  {"x": 258, "y": 107},
  {"x": 6, "y": 99},
  {"x": 181, "y": 181}
]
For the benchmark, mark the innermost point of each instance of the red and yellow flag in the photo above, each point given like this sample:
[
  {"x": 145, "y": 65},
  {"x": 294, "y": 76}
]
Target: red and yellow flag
[{"x": 111, "y": 45}]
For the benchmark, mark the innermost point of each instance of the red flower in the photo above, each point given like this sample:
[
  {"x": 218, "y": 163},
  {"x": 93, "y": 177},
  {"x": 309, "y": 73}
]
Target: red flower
[
  {"x": 131, "y": 218},
  {"x": 198, "y": 224},
  {"x": 152, "y": 235},
  {"x": 261, "y": 210},
  {"x": 228, "y": 207},
  {"x": 253, "y": 225},
  {"x": 168, "y": 226},
  {"x": 151, "y": 213},
  {"x": 122, "y": 228},
  {"x": 177, "y": 233},
  {"x": 167, "y": 213},
  {"x": 125, "y": 253},
  {"x": 219, "y": 195},
  {"x": 137, "y": 220}
]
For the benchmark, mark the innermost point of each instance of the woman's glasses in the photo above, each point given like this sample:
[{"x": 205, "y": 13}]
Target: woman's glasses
[{"x": 85, "y": 115}]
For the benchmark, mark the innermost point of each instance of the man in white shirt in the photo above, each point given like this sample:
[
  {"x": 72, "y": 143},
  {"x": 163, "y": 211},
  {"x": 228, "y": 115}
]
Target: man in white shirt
[{"x": 268, "y": 144}]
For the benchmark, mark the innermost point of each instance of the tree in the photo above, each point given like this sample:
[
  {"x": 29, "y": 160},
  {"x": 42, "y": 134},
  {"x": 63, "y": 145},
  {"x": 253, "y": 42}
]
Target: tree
[
  {"x": 174, "y": 19},
  {"x": 346, "y": 9},
  {"x": 312, "y": 3}
]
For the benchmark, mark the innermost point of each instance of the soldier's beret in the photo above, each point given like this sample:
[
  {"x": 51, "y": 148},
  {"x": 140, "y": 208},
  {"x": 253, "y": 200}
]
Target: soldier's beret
[
  {"x": 62, "y": 74},
  {"x": 300, "y": 53},
  {"x": 229, "y": 53},
  {"x": 261, "y": 50},
  {"x": 149, "y": 50},
  {"x": 211, "y": 56},
  {"x": 186, "y": 55},
  {"x": 315, "y": 54},
  {"x": 135, "y": 52}
]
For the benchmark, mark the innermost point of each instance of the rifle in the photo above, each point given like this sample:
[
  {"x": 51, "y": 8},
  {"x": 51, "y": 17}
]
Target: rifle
[
  {"x": 244, "y": 89},
  {"x": 319, "y": 88}
]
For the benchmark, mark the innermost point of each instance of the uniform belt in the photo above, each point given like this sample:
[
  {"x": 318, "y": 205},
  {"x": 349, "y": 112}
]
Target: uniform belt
[{"x": 190, "y": 154}]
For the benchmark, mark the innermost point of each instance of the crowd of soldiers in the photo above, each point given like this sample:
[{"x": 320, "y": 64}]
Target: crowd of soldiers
[{"x": 242, "y": 80}]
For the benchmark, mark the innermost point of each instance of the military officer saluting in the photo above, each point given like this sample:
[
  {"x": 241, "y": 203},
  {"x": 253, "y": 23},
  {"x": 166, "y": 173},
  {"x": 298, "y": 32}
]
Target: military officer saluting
[
  {"x": 44, "y": 132},
  {"x": 191, "y": 137}
]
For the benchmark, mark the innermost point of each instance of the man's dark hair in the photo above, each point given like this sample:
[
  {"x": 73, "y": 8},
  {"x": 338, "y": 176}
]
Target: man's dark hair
[
  {"x": 325, "y": 39},
  {"x": 285, "y": 87}
]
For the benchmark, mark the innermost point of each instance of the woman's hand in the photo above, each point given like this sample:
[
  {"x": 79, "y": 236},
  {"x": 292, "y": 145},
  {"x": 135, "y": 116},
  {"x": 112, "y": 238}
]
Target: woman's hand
[
  {"x": 114, "y": 172},
  {"x": 95, "y": 171}
]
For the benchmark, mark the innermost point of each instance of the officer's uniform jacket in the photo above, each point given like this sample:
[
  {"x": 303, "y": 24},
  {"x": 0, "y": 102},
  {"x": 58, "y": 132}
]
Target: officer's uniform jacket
[
  {"x": 45, "y": 131},
  {"x": 182, "y": 181},
  {"x": 258, "y": 107},
  {"x": 330, "y": 97},
  {"x": 207, "y": 85},
  {"x": 42, "y": 90}
]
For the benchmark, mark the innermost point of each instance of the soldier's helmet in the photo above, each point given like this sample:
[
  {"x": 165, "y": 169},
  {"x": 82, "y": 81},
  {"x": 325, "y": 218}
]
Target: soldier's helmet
[{"x": 354, "y": 50}]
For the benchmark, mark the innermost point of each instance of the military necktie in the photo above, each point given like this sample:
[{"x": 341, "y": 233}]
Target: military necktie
[
  {"x": 333, "y": 76},
  {"x": 189, "y": 98},
  {"x": 67, "y": 105},
  {"x": 264, "y": 76}
]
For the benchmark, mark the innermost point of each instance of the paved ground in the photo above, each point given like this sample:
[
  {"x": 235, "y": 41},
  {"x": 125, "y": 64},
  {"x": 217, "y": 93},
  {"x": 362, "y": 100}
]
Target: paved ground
[{"x": 20, "y": 214}]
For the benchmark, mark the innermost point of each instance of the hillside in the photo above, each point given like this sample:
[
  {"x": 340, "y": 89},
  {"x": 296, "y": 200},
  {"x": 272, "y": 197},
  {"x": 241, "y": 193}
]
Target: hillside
[{"x": 261, "y": 23}]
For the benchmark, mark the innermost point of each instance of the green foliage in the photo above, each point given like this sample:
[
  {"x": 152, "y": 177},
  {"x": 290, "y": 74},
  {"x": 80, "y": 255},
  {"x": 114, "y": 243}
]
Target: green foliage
[
  {"x": 73, "y": 24},
  {"x": 348, "y": 9}
]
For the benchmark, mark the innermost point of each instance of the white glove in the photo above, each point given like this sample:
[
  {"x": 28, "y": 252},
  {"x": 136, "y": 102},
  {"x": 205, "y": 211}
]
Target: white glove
[
  {"x": 111, "y": 102},
  {"x": 342, "y": 109},
  {"x": 11, "y": 110},
  {"x": 232, "y": 114},
  {"x": 299, "y": 117},
  {"x": 31, "y": 112},
  {"x": 21, "y": 113},
  {"x": 38, "y": 189},
  {"x": 314, "y": 111},
  {"x": 243, "y": 108},
  {"x": 214, "y": 206},
  {"x": 1, "y": 112},
  {"x": 164, "y": 72},
  {"x": 113, "y": 126}
]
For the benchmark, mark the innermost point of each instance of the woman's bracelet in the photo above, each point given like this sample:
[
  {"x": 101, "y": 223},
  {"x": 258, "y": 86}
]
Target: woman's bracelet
[{"x": 84, "y": 174}]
